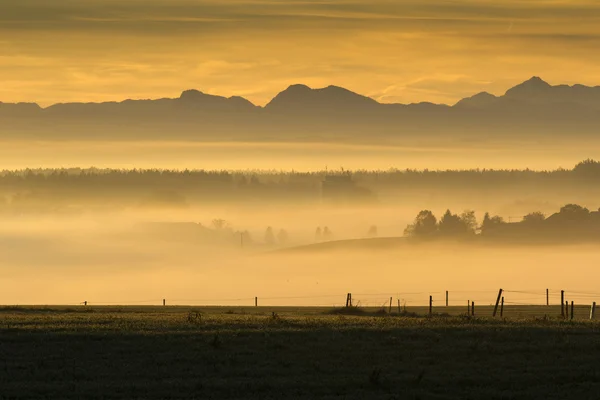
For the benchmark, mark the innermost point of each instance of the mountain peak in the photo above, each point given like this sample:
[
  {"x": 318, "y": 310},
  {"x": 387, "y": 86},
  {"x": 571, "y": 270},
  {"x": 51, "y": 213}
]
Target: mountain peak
[
  {"x": 536, "y": 81},
  {"x": 191, "y": 94},
  {"x": 331, "y": 98},
  {"x": 531, "y": 86},
  {"x": 297, "y": 88},
  {"x": 482, "y": 99}
]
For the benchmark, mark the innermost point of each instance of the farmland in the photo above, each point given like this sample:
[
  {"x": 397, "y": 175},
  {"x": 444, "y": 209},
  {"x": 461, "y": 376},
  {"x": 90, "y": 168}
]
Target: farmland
[{"x": 271, "y": 352}]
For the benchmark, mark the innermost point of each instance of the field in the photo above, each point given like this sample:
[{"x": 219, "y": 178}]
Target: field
[{"x": 235, "y": 353}]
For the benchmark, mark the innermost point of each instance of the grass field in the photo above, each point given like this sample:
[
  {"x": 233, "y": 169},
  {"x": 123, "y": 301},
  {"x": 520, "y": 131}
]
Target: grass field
[{"x": 239, "y": 353}]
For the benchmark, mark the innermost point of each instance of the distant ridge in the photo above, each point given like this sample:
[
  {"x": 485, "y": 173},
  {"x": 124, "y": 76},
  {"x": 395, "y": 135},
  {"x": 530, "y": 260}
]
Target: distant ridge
[
  {"x": 331, "y": 98},
  {"x": 303, "y": 95},
  {"x": 299, "y": 112}
]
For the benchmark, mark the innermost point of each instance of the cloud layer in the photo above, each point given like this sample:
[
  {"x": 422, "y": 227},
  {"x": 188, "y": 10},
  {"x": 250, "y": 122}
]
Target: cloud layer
[{"x": 395, "y": 51}]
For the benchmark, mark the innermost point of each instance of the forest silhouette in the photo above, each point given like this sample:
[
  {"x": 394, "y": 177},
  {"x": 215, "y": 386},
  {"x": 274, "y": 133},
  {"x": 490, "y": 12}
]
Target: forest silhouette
[{"x": 39, "y": 189}]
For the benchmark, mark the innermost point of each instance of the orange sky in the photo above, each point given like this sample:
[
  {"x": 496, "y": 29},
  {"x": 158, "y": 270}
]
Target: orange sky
[{"x": 392, "y": 50}]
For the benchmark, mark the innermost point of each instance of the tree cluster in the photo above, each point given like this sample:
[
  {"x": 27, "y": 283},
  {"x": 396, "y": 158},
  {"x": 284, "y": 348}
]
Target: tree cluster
[
  {"x": 573, "y": 216},
  {"x": 427, "y": 225}
]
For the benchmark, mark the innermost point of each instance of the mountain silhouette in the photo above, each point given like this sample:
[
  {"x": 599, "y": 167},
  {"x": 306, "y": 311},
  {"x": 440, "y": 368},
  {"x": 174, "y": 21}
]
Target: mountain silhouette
[
  {"x": 531, "y": 87},
  {"x": 480, "y": 100},
  {"x": 302, "y": 99},
  {"x": 535, "y": 92},
  {"x": 530, "y": 109}
]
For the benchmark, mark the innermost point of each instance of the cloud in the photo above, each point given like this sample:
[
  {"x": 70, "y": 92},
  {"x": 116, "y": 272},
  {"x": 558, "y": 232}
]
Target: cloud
[{"x": 409, "y": 51}]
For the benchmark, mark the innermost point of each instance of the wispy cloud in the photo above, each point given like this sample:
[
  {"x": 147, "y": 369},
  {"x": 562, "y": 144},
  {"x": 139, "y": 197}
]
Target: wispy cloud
[{"x": 394, "y": 50}]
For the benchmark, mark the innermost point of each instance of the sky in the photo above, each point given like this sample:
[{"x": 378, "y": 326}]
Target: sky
[{"x": 392, "y": 50}]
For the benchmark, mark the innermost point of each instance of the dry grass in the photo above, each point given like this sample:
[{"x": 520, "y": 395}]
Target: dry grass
[{"x": 273, "y": 353}]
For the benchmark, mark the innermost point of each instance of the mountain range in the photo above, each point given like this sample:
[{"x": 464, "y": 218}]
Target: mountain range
[{"x": 532, "y": 109}]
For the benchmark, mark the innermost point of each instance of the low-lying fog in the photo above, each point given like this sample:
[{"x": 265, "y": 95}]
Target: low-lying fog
[
  {"x": 136, "y": 238},
  {"x": 128, "y": 259},
  {"x": 290, "y": 156}
]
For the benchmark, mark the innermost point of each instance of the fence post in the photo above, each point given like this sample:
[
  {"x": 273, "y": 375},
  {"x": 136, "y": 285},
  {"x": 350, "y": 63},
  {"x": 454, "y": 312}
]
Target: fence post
[
  {"x": 164, "y": 302},
  {"x": 399, "y": 308},
  {"x": 390, "y": 311},
  {"x": 430, "y": 305},
  {"x": 446, "y": 298},
  {"x": 256, "y": 301},
  {"x": 547, "y": 297},
  {"x": 85, "y": 303},
  {"x": 502, "y": 307},
  {"x": 566, "y": 305},
  {"x": 473, "y": 308},
  {"x": 468, "y": 307},
  {"x": 562, "y": 303},
  {"x": 497, "y": 302},
  {"x": 572, "y": 310},
  {"x": 593, "y": 310}
]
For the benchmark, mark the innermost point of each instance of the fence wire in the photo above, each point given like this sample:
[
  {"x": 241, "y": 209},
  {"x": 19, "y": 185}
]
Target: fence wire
[{"x": 455, "y": 298}]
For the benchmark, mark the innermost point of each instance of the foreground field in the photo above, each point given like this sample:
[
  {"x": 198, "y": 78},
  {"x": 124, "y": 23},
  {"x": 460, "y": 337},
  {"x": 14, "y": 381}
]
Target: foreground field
[{"x": 223, "y": 353}]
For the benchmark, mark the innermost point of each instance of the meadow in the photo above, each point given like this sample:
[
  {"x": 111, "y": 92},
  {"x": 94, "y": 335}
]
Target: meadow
[{"x": 274, "y": 352}]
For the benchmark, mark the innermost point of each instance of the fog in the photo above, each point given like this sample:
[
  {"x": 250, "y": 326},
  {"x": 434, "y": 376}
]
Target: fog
[
  {"x": 227, "y": 236},
  {"x": 292, "y": 156},
  {"x": 122, "y": 258}
]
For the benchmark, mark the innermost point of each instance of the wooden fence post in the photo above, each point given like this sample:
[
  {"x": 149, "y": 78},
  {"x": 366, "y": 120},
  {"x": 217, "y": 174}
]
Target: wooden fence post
[
  {"x": 502, "y": 307},
  {"x": 473, "y": 308},
  {"x": 497, "y": 302},
  {"x": 399, "y": 308},
  {"x": 349, "y": 300},
  {"x": 593, "y": 310},
  {"x": 164, "y": 302},
  {"x": 566, "y": 305},
  {"x": 572, "y": 310},
  {"x": 547, "y": 297},
  {"x": 85, "y": 303},
  {"x": 256, "y": 301},
  {"x": 468, "y": 307},
  {"x": 430, "y": 305},
  {"x": 390, "y": 311},
  {"x": 562, "y": 303},
  {"x": 446, "y": 298}
]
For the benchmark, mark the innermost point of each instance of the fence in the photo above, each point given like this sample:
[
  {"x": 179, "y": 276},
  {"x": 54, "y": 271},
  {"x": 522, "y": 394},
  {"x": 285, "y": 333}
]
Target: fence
[{"x": 569, "y": 304}]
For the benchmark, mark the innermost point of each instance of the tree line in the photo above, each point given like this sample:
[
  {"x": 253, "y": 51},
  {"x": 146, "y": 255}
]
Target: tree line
[
  {"x": 51, "y": 189},
  {"x": 573, "y": 216},
  {"x": 586, "y": 169}
]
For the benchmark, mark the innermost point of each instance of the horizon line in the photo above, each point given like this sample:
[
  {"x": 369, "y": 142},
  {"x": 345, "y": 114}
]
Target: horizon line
[{"x": 535, "y": 77}]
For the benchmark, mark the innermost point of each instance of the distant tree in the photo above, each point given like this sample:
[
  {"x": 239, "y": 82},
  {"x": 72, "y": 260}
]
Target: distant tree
[
  {"x": 269, "y": 236},
  {"x": 425, "y": 224},
  {"x": 318, "y": 235},
  {"x": 451, "y": 225},
  {"x": 574, "y": 212},
  {"x": 246, "y": 238},
  {"x": 327, "y": 234},
  {"x": 588, "y": 168},
  {"x": 469, "y": 221},
  {"x": 219, "y": 224},
  {"x": 486, "y": 220},
  {"x": 372, "y": 233},
  {"x": 490, "y": 223},
  {"x": 282, "y": 237},
  {"x": 534, "y": 218}
]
